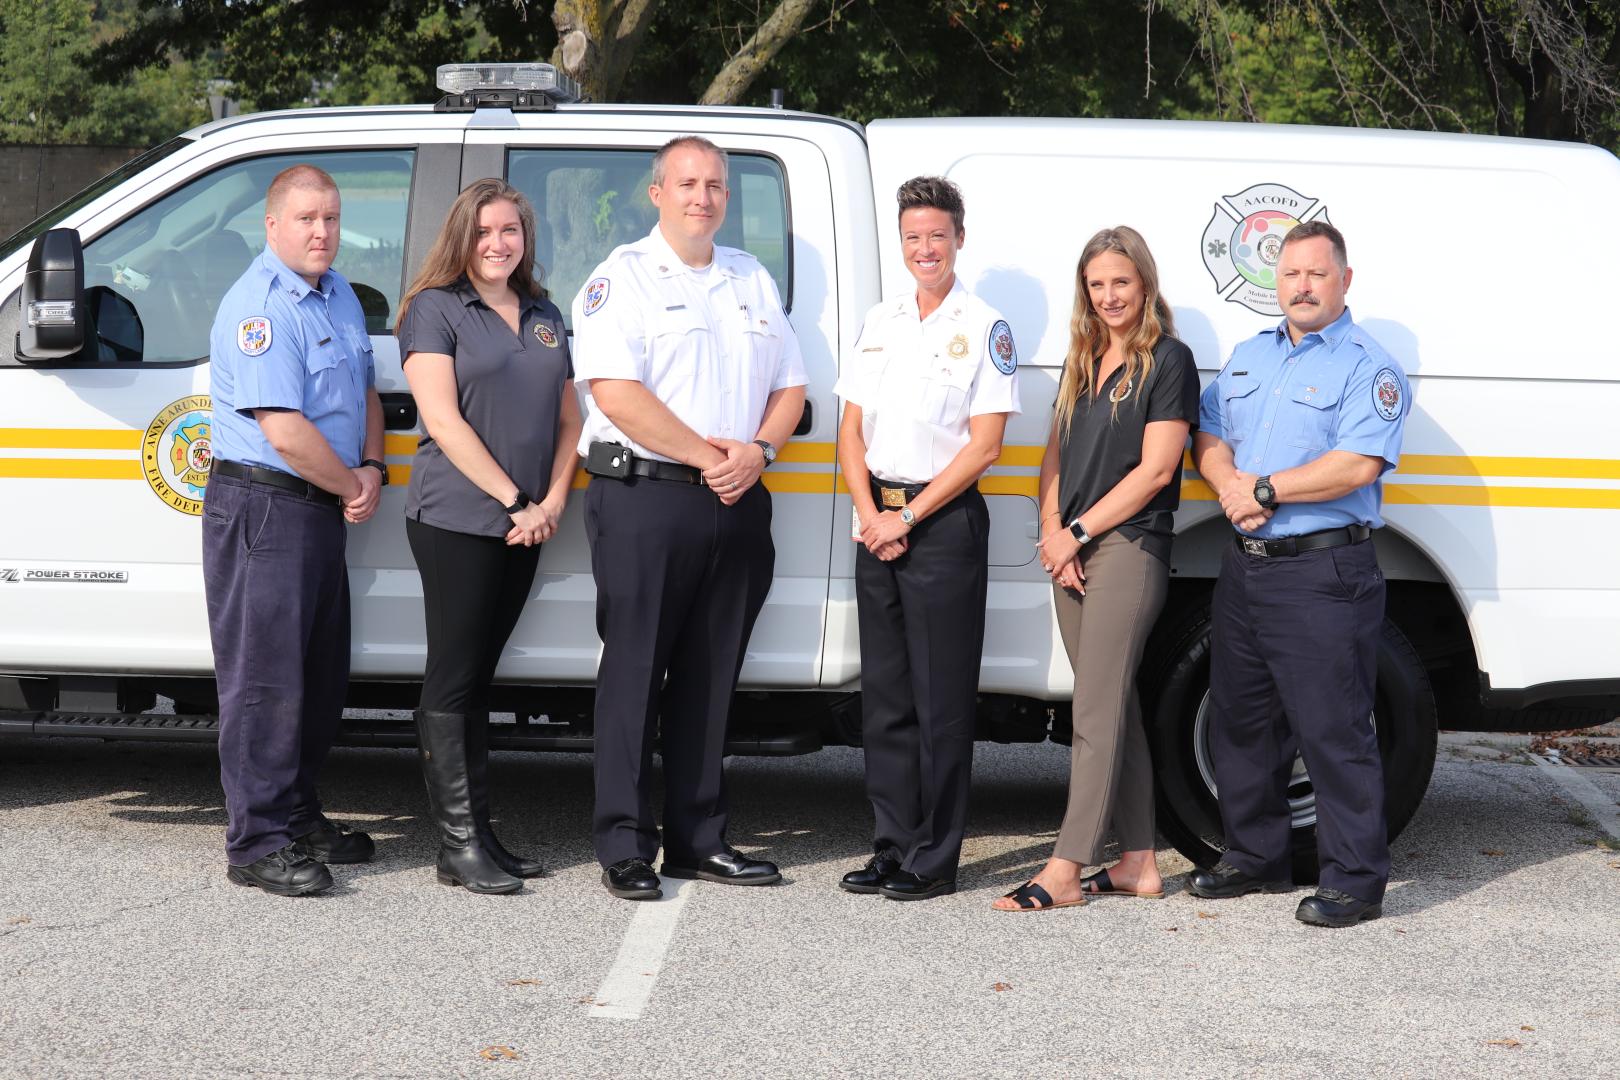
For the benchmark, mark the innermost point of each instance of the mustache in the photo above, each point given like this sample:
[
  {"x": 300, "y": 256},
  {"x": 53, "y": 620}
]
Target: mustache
[{"x": 1303, "y": 298}]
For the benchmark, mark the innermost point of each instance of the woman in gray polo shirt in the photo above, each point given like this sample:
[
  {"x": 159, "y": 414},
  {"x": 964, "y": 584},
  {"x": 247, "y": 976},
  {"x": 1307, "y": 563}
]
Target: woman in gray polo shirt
[
  {"x": 487, "y": 359},
  {"x": 1110, "y": 481}
]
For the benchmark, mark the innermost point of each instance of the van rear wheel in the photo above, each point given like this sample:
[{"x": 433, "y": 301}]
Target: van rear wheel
[{"x": 1174, "y": 684}]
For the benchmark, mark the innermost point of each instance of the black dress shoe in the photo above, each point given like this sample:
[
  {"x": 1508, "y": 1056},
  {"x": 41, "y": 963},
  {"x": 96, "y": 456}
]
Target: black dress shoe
[
  {"x": 728, "y": 867},
  {"x": 869, "y": 877},
  {"x": 904, "y": 885},
  {"x": 632, "y": 879},
  {"x": 285, "y": 873},
  {"x": 330, "y": 842},
  {"x": 1224, "y": 881},
  {"x": 1330, "y": 907}
]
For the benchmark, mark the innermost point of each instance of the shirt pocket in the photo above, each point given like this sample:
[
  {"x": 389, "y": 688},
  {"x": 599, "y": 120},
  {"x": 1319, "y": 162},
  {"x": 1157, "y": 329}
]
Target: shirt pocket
[
  {"x": 1240, "y": 407},
  {"x": 762, "y": 337},
  {"x": 676, "y": 337},
  {"x": 944, "y": 398},
  {"x": 1313, "y": 413},
  {"x": 330, "y": 387}
]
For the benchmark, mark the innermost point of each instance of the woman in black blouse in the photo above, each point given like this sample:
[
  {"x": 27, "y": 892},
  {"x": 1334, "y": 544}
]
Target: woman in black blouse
[
  {"x": 1110, "y": 481},
  {"x": 487, "y": 359}
]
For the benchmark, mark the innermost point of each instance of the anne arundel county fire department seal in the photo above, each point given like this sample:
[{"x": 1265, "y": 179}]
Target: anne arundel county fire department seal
[
  {"x": 176, "y": 455},
  {"x": 1243, "y": 242}
]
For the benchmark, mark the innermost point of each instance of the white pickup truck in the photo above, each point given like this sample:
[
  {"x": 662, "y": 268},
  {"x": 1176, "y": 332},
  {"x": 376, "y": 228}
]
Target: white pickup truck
[{"x": 1478, "y": 261}]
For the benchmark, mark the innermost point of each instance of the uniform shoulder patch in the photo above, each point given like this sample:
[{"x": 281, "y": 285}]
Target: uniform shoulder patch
[
  {"x": 1002, "y": 350},
  {"x": 1386, "y": 392},
  {"x": 596, "y": 294},
  {"x": 253, "y": 335}
]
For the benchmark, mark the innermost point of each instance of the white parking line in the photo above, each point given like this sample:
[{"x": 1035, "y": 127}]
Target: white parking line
[
  {"x": 1600, "y": 806},
  {"x": 629, "y": 982}
]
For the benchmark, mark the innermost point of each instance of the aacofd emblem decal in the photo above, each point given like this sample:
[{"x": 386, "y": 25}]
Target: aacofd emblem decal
[
  {"x": 176, "y": 455},
  {"x": 596, "y": 294},
  {"x": 547, "y": 336},
  {"x": 1001, "y": 348},
  {"x": 1243, "y": 242},
  {"x": 1387, "y": 393}
]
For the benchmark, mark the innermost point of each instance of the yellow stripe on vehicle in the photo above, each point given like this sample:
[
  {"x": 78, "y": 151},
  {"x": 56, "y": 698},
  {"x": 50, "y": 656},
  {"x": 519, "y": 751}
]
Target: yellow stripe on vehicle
[
  {"x": 70, "y": 439},
  {"x": 1468, "y": 495},
  {"x": 70, "y": 468}
]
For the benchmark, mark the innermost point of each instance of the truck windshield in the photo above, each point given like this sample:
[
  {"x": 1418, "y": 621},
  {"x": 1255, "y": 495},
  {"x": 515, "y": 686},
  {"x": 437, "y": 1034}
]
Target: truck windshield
[{"x": 129, "y": 168}]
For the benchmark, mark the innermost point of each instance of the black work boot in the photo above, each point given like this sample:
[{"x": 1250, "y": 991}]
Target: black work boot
[
  {"x": 442, "y": 744},
  {"x": 478, "y": 781}
]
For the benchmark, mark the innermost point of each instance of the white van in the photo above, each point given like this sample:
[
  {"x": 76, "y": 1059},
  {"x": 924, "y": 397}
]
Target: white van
[{"x": 1473, "y": 258}]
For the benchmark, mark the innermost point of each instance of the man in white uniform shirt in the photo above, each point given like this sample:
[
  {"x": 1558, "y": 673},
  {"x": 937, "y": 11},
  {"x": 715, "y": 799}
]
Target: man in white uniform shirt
[
  {"x": 927, "y": 391},
  {"x": 694, "y": 379}
]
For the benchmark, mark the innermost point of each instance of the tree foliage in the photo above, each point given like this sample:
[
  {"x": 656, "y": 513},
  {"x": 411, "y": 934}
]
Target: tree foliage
[{"x": 138, "y": 70}]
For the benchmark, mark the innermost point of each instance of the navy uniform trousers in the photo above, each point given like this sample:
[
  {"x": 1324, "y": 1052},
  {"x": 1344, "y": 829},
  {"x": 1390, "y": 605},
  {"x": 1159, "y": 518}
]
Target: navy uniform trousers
[
  {"x": 278, "y": 613},
  {"x": 1293, "y": 663},
  {"x": 922, "y": 637},
  {"x": 680, "y": 579}
]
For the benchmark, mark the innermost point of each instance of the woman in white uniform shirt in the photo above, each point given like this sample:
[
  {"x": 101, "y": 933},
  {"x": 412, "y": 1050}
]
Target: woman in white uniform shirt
[{"x": 927, "y": 391}]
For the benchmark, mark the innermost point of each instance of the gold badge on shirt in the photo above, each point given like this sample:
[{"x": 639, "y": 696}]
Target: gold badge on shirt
[
  {"x": 958, "y": 347},
  {"x": 547, "y": 336}
]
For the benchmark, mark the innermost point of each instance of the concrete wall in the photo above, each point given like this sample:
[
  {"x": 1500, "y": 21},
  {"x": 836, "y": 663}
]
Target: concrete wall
[{"x": 35, "y": 178}]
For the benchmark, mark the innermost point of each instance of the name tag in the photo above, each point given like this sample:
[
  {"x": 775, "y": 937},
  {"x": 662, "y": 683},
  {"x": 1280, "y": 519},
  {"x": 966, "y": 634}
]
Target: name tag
[
  {"x": 676, "y": 307},
  {"x": 873, "y": 348}
]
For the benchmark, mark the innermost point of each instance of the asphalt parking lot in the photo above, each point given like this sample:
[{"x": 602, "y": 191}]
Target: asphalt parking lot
[{"x": 125, "y": 952}]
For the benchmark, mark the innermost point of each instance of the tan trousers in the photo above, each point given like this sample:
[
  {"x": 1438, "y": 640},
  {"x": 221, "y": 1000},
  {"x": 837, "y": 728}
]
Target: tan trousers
[{"x": 1104, "y": 632}]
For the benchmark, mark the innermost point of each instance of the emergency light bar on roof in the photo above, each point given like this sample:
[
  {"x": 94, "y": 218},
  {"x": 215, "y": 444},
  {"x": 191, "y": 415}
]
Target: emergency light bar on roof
[{"x": 518, "y": 87}]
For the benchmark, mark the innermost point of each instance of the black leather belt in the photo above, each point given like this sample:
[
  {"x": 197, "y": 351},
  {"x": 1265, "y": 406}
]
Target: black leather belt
[
  {"x": 893, "y": 495},
  {"x": 667, "y": 470},
  {"x": 274, "y": 478},
  {"x": 1298, "y": 545}
]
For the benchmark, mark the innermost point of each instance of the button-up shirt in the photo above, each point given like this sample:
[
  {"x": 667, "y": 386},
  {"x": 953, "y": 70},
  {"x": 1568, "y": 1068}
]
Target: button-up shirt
[
  {"x": 919, "y": 381},
  {"x": 712, "y": 343},
  {"x": 279, "y": 343},
  {"x": 1278, "y": 405}
]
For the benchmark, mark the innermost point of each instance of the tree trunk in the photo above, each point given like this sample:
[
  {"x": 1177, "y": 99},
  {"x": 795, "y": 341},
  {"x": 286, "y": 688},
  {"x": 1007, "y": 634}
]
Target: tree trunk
[
  {"x": 597, "y": 39},
  {"x": 741, "y": 70}
]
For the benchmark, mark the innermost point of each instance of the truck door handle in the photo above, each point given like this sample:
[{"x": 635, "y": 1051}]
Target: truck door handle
[
  {"x": 399, "y": 412},
  {"x": 804, "y": 421}
]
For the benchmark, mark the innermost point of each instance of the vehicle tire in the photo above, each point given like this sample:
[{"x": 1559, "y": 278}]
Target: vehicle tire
[{"x": 1174, "y": 684}]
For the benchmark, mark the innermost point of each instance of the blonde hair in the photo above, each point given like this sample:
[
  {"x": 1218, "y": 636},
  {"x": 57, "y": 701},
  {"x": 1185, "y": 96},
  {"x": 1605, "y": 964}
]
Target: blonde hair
[
  {"x": 1088, "y": 335},
  {"x": 457, "y": 243}
]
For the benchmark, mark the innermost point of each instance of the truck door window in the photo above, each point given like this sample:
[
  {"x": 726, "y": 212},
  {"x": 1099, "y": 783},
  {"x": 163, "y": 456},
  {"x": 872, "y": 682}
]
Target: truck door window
[
  {"x": 587, "y": 202},
  {"x": 175, "y": 259}
]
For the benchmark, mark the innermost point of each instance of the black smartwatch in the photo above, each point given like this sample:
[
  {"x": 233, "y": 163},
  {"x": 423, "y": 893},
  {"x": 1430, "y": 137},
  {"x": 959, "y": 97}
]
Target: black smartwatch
[
  {"x": 768, "y": 450},
  {"x": 380, "y": 466},
  {"x": 519, "y": 502},
  {"x": 1265, "y": 494}
]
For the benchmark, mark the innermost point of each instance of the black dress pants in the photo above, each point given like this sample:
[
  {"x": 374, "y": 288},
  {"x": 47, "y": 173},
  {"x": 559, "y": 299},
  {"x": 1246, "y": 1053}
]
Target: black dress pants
[
  {"x": 278, "y": 615},
  {"x": 922, "y": 638},
  {"x": 473, "y": 590},
  {"x": 1293, "y": 664},
  {"x": 680, "y": 579}
]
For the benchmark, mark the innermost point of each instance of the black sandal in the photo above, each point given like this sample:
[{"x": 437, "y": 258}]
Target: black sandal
[
  {"x": 1032, "y": 897},
  {"x": 1100, "y": 884}
]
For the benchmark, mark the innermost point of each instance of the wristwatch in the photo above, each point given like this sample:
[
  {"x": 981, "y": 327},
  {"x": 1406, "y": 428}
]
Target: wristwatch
[
  {"x": 1265, "y": 494},
  {"x": 1078, "y": 531},
  {"x": 519, "y": 502},
  {"x": 907, "y": 516},
  {"x": 768, "y": 450},
  {"x": 380, "y": 466}
]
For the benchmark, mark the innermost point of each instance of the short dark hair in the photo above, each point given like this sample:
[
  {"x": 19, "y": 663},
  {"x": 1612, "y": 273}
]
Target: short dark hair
[
  {"x": 933, "y": 193},
  {"x": 1309, "y": 230}
]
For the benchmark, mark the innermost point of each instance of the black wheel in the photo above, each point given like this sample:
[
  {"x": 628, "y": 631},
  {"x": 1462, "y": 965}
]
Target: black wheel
[{"x": 1174, "y": 683}]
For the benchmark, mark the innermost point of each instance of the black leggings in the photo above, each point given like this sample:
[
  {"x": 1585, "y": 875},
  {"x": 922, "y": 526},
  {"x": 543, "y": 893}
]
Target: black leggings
[{"x": 473, "y": 590}]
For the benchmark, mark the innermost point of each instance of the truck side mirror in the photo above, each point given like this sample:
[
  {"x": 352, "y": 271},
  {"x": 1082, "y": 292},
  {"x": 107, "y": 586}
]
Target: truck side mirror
[{"x": 51, "y": 326}]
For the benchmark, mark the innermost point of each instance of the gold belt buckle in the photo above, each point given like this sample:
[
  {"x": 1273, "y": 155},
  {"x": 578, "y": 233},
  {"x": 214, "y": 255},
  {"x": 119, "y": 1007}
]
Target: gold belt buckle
[{"x": 895, "y": 497}]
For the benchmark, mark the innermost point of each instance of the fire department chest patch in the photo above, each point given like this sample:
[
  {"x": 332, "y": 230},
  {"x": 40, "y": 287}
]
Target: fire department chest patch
[
  {"x": 546, "y": 335},
  {"x": 253, "y": 335},
  {"x": 1386, "y": 391},
  {"x": 176, "y": 453},
  {"x": 1001, "y": 348}
]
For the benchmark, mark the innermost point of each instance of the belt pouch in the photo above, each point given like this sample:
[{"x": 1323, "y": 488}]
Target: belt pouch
[{"x": 610, "y": 460}]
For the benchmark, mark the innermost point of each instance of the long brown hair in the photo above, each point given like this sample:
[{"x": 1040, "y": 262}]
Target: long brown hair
[
  {"x": 1088, "y": 335},
  {"x": 457, "y": 243}
]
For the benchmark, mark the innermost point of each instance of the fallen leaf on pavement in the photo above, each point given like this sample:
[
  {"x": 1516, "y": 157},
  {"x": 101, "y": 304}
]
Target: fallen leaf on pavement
[
  {"x": 1000, "y": 986},
  {"x": 499, "y": 1053},
  {"x": 1208, "y": 915},
  {"x": 1526, "y": 1027},
  {"x": 1492, "y": 852},
  {"x": 1172, "y": 929},
  {"x": 523, "y": 982},
  {"x": 1506, "y": 1044},
  {"x": 21, "y": 919},
  {"x": 1400, "y": 931}
]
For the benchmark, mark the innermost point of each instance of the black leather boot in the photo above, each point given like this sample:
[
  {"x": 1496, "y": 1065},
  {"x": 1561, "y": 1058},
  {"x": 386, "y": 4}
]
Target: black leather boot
[
  {"x": 442, "y": 744},
  {"x": 478, "y": 778}
]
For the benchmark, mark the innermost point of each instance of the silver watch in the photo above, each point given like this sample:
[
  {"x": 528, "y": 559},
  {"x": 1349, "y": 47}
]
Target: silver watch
[
  {"x": 768, "y": 450},
  {"x": 907, "y": 516},
  {"x": 1078, "y": 531}
]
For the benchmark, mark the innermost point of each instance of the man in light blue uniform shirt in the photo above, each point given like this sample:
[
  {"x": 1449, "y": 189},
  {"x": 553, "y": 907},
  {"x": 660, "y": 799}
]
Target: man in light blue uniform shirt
[
  {"x": 298, "y": 442},
  {"x": 1295, "y": 435}
]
